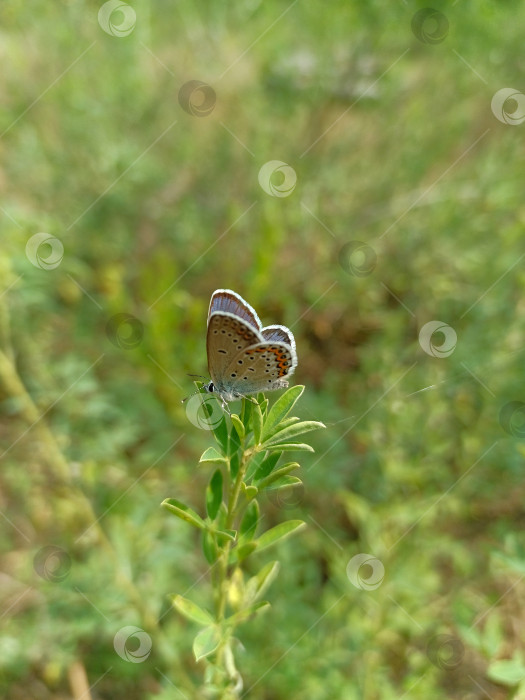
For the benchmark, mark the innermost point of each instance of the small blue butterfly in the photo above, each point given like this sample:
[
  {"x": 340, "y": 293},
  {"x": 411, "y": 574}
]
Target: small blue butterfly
[{"x": 243, "y": 357}]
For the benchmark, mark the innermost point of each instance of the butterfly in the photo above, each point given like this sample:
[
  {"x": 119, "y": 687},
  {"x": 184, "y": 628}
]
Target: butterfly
[{"x": 243, "y": 357}]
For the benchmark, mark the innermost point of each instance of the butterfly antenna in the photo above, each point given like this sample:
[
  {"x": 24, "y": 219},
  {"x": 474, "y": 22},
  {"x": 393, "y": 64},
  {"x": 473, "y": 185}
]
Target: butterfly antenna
[
  {"x": 190, "y": 395},
  {"x": 195, "y": 392}
]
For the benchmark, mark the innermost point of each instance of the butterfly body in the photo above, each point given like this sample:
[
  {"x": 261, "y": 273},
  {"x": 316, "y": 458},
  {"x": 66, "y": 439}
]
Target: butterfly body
[{"x": 243, "y": 357}]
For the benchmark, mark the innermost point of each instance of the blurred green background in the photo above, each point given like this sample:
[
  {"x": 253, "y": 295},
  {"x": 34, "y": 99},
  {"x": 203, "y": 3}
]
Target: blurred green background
[{"x": 394, "y": 144}]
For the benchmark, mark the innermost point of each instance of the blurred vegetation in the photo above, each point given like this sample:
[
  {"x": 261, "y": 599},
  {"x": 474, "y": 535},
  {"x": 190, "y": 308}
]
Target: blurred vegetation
[{"x": 157, "y": 208}]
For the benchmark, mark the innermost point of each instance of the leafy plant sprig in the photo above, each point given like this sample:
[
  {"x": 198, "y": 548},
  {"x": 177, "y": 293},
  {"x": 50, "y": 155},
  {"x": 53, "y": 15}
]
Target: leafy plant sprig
[{"x": 250, "y": 447}]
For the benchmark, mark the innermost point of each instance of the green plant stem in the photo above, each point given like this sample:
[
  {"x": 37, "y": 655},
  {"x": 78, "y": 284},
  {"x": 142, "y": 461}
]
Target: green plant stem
[
  {"x": 232, "y": 519},
  {"x": 223, "y": 578}
]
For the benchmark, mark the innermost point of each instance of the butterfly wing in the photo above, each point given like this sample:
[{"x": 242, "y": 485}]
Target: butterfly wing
[
  {"x": 225, "y": 300},
  {"x": 227, "y": 336},
  {"x": 261, "y": 367},
  {"x": 243, "y": 357},
  {"x": 281, "y": 334}
]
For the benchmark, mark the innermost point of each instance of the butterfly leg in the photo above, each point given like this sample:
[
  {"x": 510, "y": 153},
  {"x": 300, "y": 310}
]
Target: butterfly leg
[
  {"x": 225, "y": 407},
  {"x": 248, "y": 398}
]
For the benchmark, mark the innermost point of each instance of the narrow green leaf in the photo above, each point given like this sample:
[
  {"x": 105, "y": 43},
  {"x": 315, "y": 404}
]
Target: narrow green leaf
[
  {"x": 214, "y": 494},
  {"x": 253, "y": 465},
  {"x": 249, "y": 612},
  {"x": 206, "y": 642},
  {"x": 211, "y": 455},
  {"x": 228, "y": 534},
  {"x": 293, "y": 431},
  {"x": 235, "y": 463},
  {"x": 183, "y": 512},
  {"x": 246, "y": 412},
  {"x": 249, "y": 521},
  {"x": 277, "y": 474},
  {"x": 287, "y": 421},
  {"x": 289, "y": 446},
  {"x": 209, "y": 547},
  {"x": 244, "y": 550},
  {"x": 222, "y": 516},
  {"x": 278, "y": 532},
  {"x": 191, "y": 610},
  {"x": 234, "y": 443},
  {"x": 283, "y": 483},
  {"x": 280, "y": 410},
  {"x": 267, "y": 466},
  {"x": 220, "y": 433},
  {"x": 257, "y": 423},
  {"x": 239, "y": 427},
  {"x": 258, "y": 584}
]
